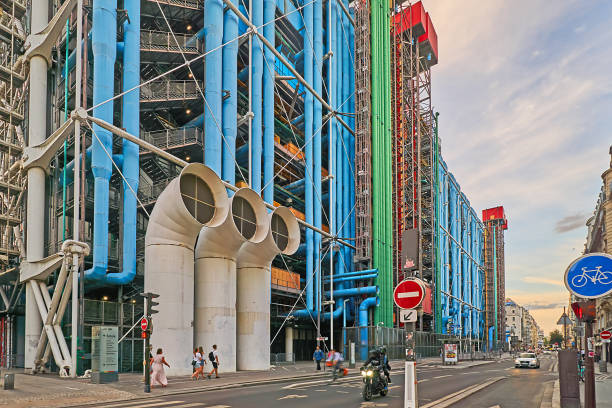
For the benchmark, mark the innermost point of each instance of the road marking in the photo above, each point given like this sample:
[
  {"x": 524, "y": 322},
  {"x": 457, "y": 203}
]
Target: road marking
[
  {"x": 423, "y": 380},
  {"x": 128, "y": 403},
  {"x": 220, "y": 406},
  {"x": 292, "y": 396},
  {"x": 408, "y": 295},
  {"x": 443, "y": 376},
  {"x": 193, "y": 404},
  {"x": 155, "y": 404},
  {"x": 450, "y": 399},
  {"x": 342, "y": 392},
  {"x": 509, "y": 368},
  {"x": 394, "y": 386},
  {"x": 495, "y": 406},
  {"x": 72, "y": 388},
  {"x": 321, "y": 390}
]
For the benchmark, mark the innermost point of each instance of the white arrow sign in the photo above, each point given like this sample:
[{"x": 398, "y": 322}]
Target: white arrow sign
[{"x": 408, "y": 315}]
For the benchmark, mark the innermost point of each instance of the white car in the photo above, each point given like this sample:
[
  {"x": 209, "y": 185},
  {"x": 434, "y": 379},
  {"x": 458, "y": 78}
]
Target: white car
[{"x": 527, "y": 360}]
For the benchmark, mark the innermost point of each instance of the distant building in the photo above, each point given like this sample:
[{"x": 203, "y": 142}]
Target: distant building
[{"x": 514, "y": 324}]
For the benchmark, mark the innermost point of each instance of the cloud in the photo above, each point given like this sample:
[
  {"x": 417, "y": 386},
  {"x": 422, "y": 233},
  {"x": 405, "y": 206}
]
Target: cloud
[
  {"x": 570, "y": 222},
  {"x": 524, "y": 117},
  {"x": 547, "y": 281},
  {"x": 537, "y": 306}
]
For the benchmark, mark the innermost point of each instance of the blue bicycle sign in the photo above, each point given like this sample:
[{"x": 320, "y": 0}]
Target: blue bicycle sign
[{"x": 590, "y": 276}]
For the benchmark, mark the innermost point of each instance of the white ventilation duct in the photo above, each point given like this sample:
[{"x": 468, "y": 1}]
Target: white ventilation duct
[
  {"x": 196, "y": 198},
  {"x": 253, "y": 277},
  {"x": 215, "y": 273}
]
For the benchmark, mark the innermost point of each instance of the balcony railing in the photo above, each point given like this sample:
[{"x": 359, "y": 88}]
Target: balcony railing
[
  {"x": 165, "y": 42},
  {"x": 148, "y": 193},
  {"x": 190, "y": 4},
  {"x": 158, "y": 91},
  {"x": 169, "y": 138}
]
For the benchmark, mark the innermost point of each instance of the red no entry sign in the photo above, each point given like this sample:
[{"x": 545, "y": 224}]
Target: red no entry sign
[
  {"x": 605, "y": 335},
  {"x": 409, "y": 294},
  {"x": 144, "y": 323}
]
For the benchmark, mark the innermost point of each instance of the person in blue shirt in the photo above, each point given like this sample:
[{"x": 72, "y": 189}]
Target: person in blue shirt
[{"x": 318, "y": 356}]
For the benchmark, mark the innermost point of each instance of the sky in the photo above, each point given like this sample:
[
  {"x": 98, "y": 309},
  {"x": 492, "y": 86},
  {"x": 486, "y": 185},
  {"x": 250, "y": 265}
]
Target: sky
[{"x": 524, "y": 93}]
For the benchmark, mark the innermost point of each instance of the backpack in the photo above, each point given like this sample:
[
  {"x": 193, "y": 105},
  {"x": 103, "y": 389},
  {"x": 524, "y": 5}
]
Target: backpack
[{"x": 211, "y": 357}]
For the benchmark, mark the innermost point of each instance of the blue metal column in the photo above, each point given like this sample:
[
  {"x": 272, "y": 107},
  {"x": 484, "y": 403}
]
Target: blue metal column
[
  {"x": 104, "y": 29},
  {"x": 131, "y": 123},
  {"x": 309, "y": 176},
  {"x": 269, "y": 9},
  {"x": 230, "y": 104},
  {"x": 213, "y": 26},
  {"x": 316, "y": 124}
]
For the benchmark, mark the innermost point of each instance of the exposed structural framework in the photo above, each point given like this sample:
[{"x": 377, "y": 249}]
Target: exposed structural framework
[
  {"x": 13, "y": 95},
  {"x": 415, "y": 51},
  {"x": 495, "y": 273},
  {"x": 459, "y": 267}
]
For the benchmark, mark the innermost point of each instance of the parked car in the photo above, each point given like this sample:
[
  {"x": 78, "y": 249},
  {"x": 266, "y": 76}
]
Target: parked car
[{"x": 527, "y": 360}]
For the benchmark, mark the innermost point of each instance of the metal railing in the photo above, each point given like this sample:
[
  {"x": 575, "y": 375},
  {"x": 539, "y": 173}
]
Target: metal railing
[
  {"x": 168, "y": 138},
  {"x": 148, "y": 193},
  {"x": 170, "y": 90},
  {"x": 164, "y": 41},
  {"x": 191, "y": 4},
  {"x": 394, "y": 340},
  {"x": 282, "y": 358}
]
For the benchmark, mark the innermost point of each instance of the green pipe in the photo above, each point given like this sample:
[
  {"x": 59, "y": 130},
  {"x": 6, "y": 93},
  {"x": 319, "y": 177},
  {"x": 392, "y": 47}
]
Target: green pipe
[
  {"x": 438, "y": 260},
  {"x": 65, "y": 141},
  {"x": 495, "y": 281}
]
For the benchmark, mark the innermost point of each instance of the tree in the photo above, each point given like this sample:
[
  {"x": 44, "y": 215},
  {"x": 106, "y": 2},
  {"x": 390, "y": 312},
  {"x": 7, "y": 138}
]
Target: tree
[{"x": 556, "y": 337}]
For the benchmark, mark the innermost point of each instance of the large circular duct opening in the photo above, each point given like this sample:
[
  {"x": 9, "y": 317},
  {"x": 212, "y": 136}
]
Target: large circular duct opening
[
  {"x": 280, "y": 232},
  {"x": 244, "y": 217},
  {"x": 197, "y": 197}
]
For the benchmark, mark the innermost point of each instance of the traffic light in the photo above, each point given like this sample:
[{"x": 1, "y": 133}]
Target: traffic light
[
  {"x": 585, "y": 311},
  {"x": 149, "y": 303}
]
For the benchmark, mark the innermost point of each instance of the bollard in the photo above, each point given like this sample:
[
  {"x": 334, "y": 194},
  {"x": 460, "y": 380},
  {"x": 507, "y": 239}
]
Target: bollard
[{"x": 9, "y": 381}]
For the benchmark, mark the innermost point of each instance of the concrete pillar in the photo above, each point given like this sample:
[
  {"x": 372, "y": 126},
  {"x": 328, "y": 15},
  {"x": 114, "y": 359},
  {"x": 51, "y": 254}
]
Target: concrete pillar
[
  {"x": 289, "y": 343},
  {"x": 35, "y": 215}
]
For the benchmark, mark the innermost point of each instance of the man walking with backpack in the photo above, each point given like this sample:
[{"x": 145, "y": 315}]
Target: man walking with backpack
[{"x": 213, "y": 356}]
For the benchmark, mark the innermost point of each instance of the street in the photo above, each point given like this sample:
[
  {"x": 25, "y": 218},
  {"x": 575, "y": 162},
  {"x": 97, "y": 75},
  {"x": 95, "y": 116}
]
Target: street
[{"x": 513, "y": 388}]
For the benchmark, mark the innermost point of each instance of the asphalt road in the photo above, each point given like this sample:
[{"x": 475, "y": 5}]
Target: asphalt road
[{"x": 517, "y": 388}]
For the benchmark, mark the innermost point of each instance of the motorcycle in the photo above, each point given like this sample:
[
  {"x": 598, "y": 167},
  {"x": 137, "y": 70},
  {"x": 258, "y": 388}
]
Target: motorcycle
[{"x": 374, "y": 382}]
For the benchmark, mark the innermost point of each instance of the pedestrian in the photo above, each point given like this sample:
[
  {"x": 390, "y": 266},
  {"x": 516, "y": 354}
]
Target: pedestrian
[
  {"x": 158, "y": 377},
  {"x": 213, "y": 356},
  {"x": 198, "y": 363},
  {"x": 318, "y": 356}
]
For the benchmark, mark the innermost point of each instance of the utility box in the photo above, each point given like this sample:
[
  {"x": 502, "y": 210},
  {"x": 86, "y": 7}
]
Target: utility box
[
  {"x": 568, "y": 378},
  {"x": 9, "y": 381}
]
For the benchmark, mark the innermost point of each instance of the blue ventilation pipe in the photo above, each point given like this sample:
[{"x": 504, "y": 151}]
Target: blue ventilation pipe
[
  {"x": 230, "y": 104},
  {"x": 104, "y": 48},
  {"x": 352, "y": 278},
  {"x": 131, "y": 123},
  {"x": 269, "y": 9},
  {"x": 257, "y": 98},
  {"x": 454, "y": 251},
  {"x": 363, "y": 324},
  {"x": 464, "y": 267},
  {"x": 364, "y": 290},
  {"x": 309, "y": 196},
  {"x": 213, "y": 27},
  {"x": 316, "y": 143}
]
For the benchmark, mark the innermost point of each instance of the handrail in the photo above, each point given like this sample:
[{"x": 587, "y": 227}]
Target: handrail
[
  {"x": 165, "y": 139},
  {"x": 166, "y": 41},
  {"x": 170, "y": 89}
]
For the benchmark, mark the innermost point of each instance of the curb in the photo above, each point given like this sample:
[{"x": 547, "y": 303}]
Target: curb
[{"x": 556, "y": 396}]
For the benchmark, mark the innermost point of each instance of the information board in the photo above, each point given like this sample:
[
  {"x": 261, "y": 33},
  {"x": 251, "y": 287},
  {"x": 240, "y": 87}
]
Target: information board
[
  {"x": 105, "y": 349},
  {"x": 450, "y": 353}
]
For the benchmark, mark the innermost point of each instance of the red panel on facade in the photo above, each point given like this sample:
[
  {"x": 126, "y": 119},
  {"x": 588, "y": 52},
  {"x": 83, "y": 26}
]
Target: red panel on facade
[
  {"x": 495, "y": 213},
  {"x": 428, "y": 42},
  {"x": 427, "y": 309},
  {"x": 415, "y": 15}
]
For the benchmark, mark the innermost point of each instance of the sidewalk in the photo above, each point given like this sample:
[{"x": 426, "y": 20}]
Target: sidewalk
[
  {"x": 49, "y": 390},
  {"x": 603, "y": 388}
]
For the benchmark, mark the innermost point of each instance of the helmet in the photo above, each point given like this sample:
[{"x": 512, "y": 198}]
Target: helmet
[{"x": 383, "y": 350}]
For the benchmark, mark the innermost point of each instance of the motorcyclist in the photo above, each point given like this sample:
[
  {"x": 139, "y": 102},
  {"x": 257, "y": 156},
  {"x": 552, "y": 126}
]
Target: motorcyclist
[
  {"x": 386, "y": 365},
  {"x": 377, "y": 358}
]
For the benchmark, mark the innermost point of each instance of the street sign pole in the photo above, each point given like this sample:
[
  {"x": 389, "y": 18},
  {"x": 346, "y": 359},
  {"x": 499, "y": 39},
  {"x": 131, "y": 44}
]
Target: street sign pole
[
  {"x": 589, "y": 369},
  {"x": 564, "y": 329},
  {"x": 410, "y": 379}
]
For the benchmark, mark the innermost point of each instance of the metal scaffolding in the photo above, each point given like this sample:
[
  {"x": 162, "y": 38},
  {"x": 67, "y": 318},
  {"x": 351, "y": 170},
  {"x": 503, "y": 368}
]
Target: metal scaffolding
[
  {"x": 495, "y": 276},
  {"x": 363, "y": 148}
]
